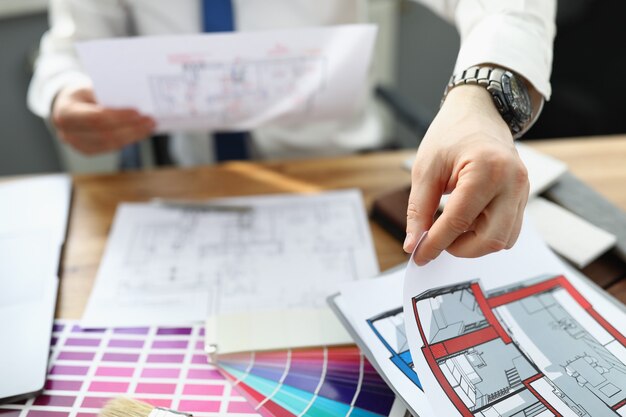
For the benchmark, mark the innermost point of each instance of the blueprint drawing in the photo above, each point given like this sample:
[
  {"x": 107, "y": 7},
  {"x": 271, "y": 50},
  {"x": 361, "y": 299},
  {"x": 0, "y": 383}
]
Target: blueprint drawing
[
  {"x": 285, "y": 252},
  {"x": 538, "y": 348}
]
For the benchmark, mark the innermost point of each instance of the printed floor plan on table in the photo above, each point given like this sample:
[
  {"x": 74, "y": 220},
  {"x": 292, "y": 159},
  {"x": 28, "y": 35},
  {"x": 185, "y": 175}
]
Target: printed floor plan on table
[
  {"x": 533, "y": 349},
  {"x": 273, "y": 253}
]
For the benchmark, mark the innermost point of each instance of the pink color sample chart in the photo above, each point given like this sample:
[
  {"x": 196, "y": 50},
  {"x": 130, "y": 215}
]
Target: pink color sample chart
[{"x": 165, "y": 367}]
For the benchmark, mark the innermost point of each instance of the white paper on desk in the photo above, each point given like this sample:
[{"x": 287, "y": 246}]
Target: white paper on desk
[
  {"x": 570, "y": 236},
  {"x": 234, "y": 81},
  {"x": 33, "y": 205},
  {"x": 171, "y": 266},
  {"x": 508, "y": 332},
  {"x": 373, "y": 310}
]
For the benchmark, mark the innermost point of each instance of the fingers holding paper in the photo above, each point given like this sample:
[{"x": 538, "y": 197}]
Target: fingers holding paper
[
  {"x": 93, "y": 129},
  {"x": 468, "y": 152}
]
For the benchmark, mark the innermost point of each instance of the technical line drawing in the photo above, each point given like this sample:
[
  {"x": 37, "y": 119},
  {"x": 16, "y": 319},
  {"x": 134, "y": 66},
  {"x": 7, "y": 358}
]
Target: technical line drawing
[
  {"x": 533, "y": 349},
  {"x": 225, "y": 92},
  {"x": 223, "y": 254}
]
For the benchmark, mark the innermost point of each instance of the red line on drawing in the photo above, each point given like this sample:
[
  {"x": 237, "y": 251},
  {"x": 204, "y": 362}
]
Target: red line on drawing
[
  {"x": 607, "y": 326},
  {"x": 438, "y": 350},
  {"x": 445, "y": 384},
  {"x": 486, "y": 308},
  {"x": 532, "y": 379},
  {"x": 525, "y": 292},
  {"x": 574, "y": 292},
  {"x": 419, "y": 324},
  {"x": 619, "y": 405},
  {"x": 541, "y": 399},
  {"x": 589, "y": 308},
  {"x": 461, "y": 343}
]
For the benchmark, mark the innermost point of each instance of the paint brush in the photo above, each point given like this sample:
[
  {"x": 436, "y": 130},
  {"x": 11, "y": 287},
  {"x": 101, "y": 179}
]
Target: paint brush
[{"x": 127, "y": 407}]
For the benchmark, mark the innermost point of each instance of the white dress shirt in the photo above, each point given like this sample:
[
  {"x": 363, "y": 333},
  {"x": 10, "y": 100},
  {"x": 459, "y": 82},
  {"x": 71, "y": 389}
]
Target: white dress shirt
[{"x": 517, "y": 34}]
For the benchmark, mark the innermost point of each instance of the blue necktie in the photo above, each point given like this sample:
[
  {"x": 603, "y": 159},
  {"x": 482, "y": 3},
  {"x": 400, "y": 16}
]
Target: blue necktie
[{"x": 218, "y": 16}]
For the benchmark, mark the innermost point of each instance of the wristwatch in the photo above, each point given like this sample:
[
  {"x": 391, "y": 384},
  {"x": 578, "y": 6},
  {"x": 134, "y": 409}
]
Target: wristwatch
[{"x": 509, "y": 93}]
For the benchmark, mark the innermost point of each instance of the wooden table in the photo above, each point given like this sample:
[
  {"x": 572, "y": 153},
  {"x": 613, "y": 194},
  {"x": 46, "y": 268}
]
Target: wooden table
[{"x": 599, "y": 161}]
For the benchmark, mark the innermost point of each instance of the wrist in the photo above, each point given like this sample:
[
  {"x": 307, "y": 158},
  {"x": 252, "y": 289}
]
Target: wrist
[
  {"x": 508, "y": 90},
  {"x": 475, "y": 107}
]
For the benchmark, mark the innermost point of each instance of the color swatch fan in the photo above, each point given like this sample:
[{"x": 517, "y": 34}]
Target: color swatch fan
[{"x": 314, "y": 382}]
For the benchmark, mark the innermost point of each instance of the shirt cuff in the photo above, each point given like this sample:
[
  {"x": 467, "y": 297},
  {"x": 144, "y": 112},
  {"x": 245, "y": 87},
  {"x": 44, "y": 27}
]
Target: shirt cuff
[
  {"x": 510, "y": 41},
  {"x": 40, "y": 98}
]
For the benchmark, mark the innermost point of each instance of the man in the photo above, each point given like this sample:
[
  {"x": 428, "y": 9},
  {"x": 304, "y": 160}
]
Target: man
[{"x": 468, "y": 150}]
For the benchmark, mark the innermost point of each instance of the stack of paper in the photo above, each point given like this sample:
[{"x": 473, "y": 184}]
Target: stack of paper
[
  {"x": 515, "y": 333},
  {"x": 255, "y": 268}
]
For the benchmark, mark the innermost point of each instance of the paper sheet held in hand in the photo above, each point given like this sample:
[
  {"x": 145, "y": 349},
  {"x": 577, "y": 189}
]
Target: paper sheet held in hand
[{"x": 234, "y": 81}]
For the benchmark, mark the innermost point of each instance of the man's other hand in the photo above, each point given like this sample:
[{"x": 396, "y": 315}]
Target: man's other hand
[{"x": 93, "y": 129}]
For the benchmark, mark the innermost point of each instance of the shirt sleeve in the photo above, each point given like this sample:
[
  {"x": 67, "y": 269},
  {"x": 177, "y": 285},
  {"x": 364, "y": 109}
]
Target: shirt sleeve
[
  {"x": 516, "y": 34},
  {"x": 57, "y": 65}
]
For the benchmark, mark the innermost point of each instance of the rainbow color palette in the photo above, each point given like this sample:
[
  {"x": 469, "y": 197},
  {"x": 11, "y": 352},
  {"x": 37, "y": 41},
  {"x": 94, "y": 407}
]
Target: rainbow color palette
[
  {"x": 316, "y": 382},
  {"x": 165, "y": 367}
]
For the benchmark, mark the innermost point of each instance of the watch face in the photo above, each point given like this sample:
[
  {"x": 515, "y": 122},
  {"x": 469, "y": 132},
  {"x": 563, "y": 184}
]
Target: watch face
[{"x": 517, "y": 97}]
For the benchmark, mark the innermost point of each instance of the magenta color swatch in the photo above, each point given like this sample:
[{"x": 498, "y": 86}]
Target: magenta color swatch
[
  {"x": 165, "y": 358},
  {"x": 201, "y": 333},
  {"x": 204, "y": 374},
  {"x": 132, "y": 363},
  {"x": 160, "y": 373},
  {"x": 55, "y": 400},
  {"x": 94, "y": 402},
  {"x": 240, "y": 407},
  {"x": 78, "y": 329},
  {"x": 170, "y": 344},
  {"x": 193, "y": 406},
  {"x": 174, "y": 331},
  {"x": 200, "y": 389},
  {"x": 114, "y": 371},
  {"x": 76, "y": 341},
  {"x": 106, "y": 386},
  {"x": 54, "y": 341},
  {"x": 46, "y": 413},
  {"x": 121, "y": 343},
  {"x": 154, "y": 388},
  {"x": 132, "y": 330},
  {"x": 199, "y": 359},
  {"x": 69, "y": 370},
  {"x": 60, "y": 385},
  {"x": 157, "y": 402},
  {"x": 120, "y": 357},
  {"x": 77, "y": 356}
]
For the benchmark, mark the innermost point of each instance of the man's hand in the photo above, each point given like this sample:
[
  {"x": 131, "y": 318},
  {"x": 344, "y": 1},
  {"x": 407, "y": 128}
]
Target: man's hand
[
  {"x": 92, "y": 129},
  {"x": 468, "y": 152}
]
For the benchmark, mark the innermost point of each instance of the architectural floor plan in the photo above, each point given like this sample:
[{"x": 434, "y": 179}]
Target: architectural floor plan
[
  {"x": 533, "y": 349},
  {"x": 235, "y": 81},
  {"x": 281, "y": 252},
  {"x": 227, "y": 92}
]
